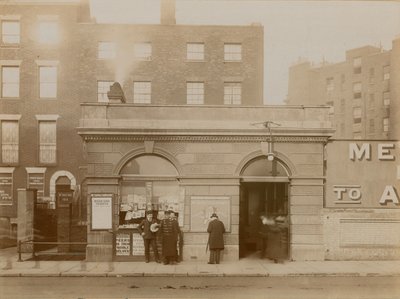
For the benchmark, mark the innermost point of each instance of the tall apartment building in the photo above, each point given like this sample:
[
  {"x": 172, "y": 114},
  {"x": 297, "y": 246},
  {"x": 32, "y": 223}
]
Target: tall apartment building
[{"x": 362, "y": 90}]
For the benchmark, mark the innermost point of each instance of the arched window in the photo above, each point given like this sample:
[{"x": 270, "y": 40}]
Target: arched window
[
  {"x": 149, "y": 182},
  {"x": 262, "y": 167}
]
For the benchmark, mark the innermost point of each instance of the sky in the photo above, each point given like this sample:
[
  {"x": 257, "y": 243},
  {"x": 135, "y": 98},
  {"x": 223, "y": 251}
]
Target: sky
[{"x": 308, "y": 30}]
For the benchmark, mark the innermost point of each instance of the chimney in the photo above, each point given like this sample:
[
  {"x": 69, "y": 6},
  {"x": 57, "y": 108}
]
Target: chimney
[
  {"x": 116, "y": 94},
  {"x": 168, "y": 12}
]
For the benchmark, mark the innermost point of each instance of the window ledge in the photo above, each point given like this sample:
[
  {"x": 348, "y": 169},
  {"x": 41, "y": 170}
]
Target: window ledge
[
  {"x": 47, "y": 99},
  {"x": 195, "y": 60},
  {"x": 10, "y": 99}
]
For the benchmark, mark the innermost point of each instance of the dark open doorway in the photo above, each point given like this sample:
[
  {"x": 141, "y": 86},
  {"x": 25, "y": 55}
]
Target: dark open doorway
[{"x": 269, "y": 199}]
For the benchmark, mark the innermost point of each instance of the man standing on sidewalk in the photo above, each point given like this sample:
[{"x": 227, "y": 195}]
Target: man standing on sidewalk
[
  {"x": 216, "y": 230},
  {"x": 148, "y": 228},
  {"x": 170, "y": 231}
]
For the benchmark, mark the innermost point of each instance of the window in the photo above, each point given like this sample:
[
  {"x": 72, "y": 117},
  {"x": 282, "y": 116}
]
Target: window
[
  {"x": 386, "y": 99},
  {"x": 232, "y": 93},
  {"x": 357, "y": 115},
  {"x": 10, "y": 81},
  {"x": 9, "y": 141},
  {"x": 372, "y": 126},
  {"x": 371, "y": 101},
  {"x": 142, "y": 92},
  {"x": 10, "y": 32},
  {"x": 195, "y": 51},
  {"x": 106, "y": 50},
  {"x": 330, "y": 84},
  {"x": 357, "y": 90},
  {"x": 371, "y": 75},
  {"x": 47, "y": 142},
  {"x": 386, "y": 125},
  {"x": 357, "y": 65},
  {"x": 195, "y": 92},
  {"x": 102, "y": 88},
  {"x": 48, "y": 82},
  {"x": 386, "y": 72},
  {"x": 143, "y": 51},
  {"x": 232, "y": 52},
  {"x": 48, "y": 32}
]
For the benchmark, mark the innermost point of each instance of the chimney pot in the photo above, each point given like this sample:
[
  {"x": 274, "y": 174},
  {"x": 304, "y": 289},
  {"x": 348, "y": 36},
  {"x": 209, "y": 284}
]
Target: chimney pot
[{"x": 168, "y": 12}]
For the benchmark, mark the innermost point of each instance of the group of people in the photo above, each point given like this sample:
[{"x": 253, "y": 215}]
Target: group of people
[{"x": 171, "y": 234}]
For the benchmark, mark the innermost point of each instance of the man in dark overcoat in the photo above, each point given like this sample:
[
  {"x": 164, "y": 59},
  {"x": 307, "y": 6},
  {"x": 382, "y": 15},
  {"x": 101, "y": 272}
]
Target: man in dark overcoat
[
  {"x": 147, "y": 229},
  {"x": 169, "y": 231},
  {"x": 216, "y": 230}
]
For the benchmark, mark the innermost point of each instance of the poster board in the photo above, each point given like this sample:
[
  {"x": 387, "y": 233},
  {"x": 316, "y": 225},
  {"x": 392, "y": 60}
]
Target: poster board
[
  {"x": 123, "y": 244},
  {"x": 101, "y": 211},
  {"x": 202, "y": 207}
]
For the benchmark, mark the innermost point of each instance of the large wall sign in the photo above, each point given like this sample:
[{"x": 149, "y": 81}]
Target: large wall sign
[
  {"x": 363, "y": 174},
  {"x": 101, "y": 211},
  {"x": 202, "y": 207}
]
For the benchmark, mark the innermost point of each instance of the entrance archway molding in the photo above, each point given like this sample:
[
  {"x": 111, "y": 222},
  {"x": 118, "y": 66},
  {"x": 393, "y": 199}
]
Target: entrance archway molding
[{"x": 54, "y": 178}]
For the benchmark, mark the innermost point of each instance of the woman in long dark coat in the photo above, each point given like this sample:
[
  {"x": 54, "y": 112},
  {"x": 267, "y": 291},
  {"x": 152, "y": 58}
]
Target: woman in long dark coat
[
  {"x": 169, "y": 231},
  {"x": 216, "y": 230}
]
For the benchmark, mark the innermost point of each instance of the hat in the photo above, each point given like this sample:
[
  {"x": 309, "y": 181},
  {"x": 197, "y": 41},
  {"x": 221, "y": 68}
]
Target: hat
[{"x": 214, "y": 215}]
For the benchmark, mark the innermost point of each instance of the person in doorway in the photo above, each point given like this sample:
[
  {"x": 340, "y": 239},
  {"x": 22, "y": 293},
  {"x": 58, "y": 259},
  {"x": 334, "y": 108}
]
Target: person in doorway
[
  {"x": 148, "y": 228},
  {"x": 216, "y": 230},
  {"x": 263, "y": 231},
  {"x": 169, "y": 231}
]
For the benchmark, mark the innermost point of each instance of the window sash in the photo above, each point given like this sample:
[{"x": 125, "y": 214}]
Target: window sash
[
  {"x": 10, "y": 81},
  {"x": 47, "y": 142},
  {"x": 103, "y": 87},
  {"x": 10, "y": 32},
  {"x": 195, "y": 92},
  {"x": 232, "y": 93},
  {"x": 142, "y": 92},
  {"x": 106, "y": 50},
  {"x": 48, "y": 82},
  {"x": 9, "y": 141},
  {"x": 195, "y": 51},
  {"x": 232, "y": 52}
]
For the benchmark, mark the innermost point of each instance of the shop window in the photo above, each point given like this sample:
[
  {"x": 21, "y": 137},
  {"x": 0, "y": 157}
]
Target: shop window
[
  {"x": 10, "y": 81},
  {"x": 9, "y": 141},
  {"x": 149, "y": 183},
  {"x": 47, "y": 82},
  {"x": 232, "y": 52},
  {"x": 195, "y": 51},
  {"x": 103, "y": 87},
  {"x": 264, "y": 167},
  {"x": 47, "y": 142},
  {"x": 106, "y": 50},
  {"x": 232, "y": 93},
  {"x": 142, "y": 92},
  {"x": 195, "y": 92},
  {"x": 143, "y": 51},
  {"x": 10, "y": 32}
]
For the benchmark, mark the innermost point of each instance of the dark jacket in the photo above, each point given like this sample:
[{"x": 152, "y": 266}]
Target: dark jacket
[
  {"x": 169, "y": 231},
  {"x": 216, "y": 230},
  {"x": 144, "y": 226}
]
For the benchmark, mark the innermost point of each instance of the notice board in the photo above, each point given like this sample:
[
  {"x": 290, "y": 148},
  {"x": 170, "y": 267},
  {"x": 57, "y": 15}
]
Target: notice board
[{"x": 101, "y": 211}]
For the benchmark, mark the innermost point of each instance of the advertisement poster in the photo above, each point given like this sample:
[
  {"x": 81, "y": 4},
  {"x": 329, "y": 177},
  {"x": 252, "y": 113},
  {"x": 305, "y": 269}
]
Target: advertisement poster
[{"x": 101, "y": 212}]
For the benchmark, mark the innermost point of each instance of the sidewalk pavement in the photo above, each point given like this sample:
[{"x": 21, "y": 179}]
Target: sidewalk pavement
[{"x": 10, "y": 267}]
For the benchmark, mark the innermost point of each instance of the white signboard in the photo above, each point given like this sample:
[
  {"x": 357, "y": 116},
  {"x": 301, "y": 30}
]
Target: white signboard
[
  {"x": 101, "y": 212},
  {"x": 137, "y": 244}
]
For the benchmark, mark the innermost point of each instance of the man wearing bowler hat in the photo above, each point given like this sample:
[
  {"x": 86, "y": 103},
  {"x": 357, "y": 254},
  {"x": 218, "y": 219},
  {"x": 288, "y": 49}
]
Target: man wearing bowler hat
[
  {"x": 216, "y": 230},
  {"x": 148, "y": 228}
]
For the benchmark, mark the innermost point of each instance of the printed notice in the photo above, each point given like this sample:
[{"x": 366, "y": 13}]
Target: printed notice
[
  {"x": 101, "y": 212},
  {"x": 137, "y": 244},
  {"x": 122, "y": 245}
]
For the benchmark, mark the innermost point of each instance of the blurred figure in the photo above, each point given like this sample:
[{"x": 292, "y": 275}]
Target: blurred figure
[{"x": 170, "y": 231}]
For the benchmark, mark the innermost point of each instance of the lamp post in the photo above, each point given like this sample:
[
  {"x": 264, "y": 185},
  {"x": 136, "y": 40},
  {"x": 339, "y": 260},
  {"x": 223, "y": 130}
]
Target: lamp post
[{"x": 267, "y": 124}]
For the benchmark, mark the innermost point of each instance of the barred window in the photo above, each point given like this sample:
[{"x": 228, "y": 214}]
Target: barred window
[
  {"x": 142, "y": 92},
  {"x": 195, "y": 92}
]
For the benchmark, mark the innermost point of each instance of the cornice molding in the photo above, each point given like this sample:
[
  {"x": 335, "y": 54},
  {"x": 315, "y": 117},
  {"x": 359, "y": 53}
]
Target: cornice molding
[{"x": 204, "y": 139}]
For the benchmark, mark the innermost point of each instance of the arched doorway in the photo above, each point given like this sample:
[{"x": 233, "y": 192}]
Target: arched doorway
[
  {"x": 149, "y": 182},
  {"x": 264, "y": 191}
]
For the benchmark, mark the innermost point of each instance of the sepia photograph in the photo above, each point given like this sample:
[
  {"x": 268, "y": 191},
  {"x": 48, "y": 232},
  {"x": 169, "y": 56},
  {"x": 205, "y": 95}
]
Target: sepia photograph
[{"x": 200, "y": 149}]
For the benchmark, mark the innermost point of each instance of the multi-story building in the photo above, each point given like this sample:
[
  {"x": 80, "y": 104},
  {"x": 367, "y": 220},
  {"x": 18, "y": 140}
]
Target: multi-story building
[{"x": 362, "y": 90}]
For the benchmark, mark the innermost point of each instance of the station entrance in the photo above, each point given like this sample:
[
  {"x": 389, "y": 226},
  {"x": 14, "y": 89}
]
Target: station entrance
[{"x": 264, "y": 193}]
